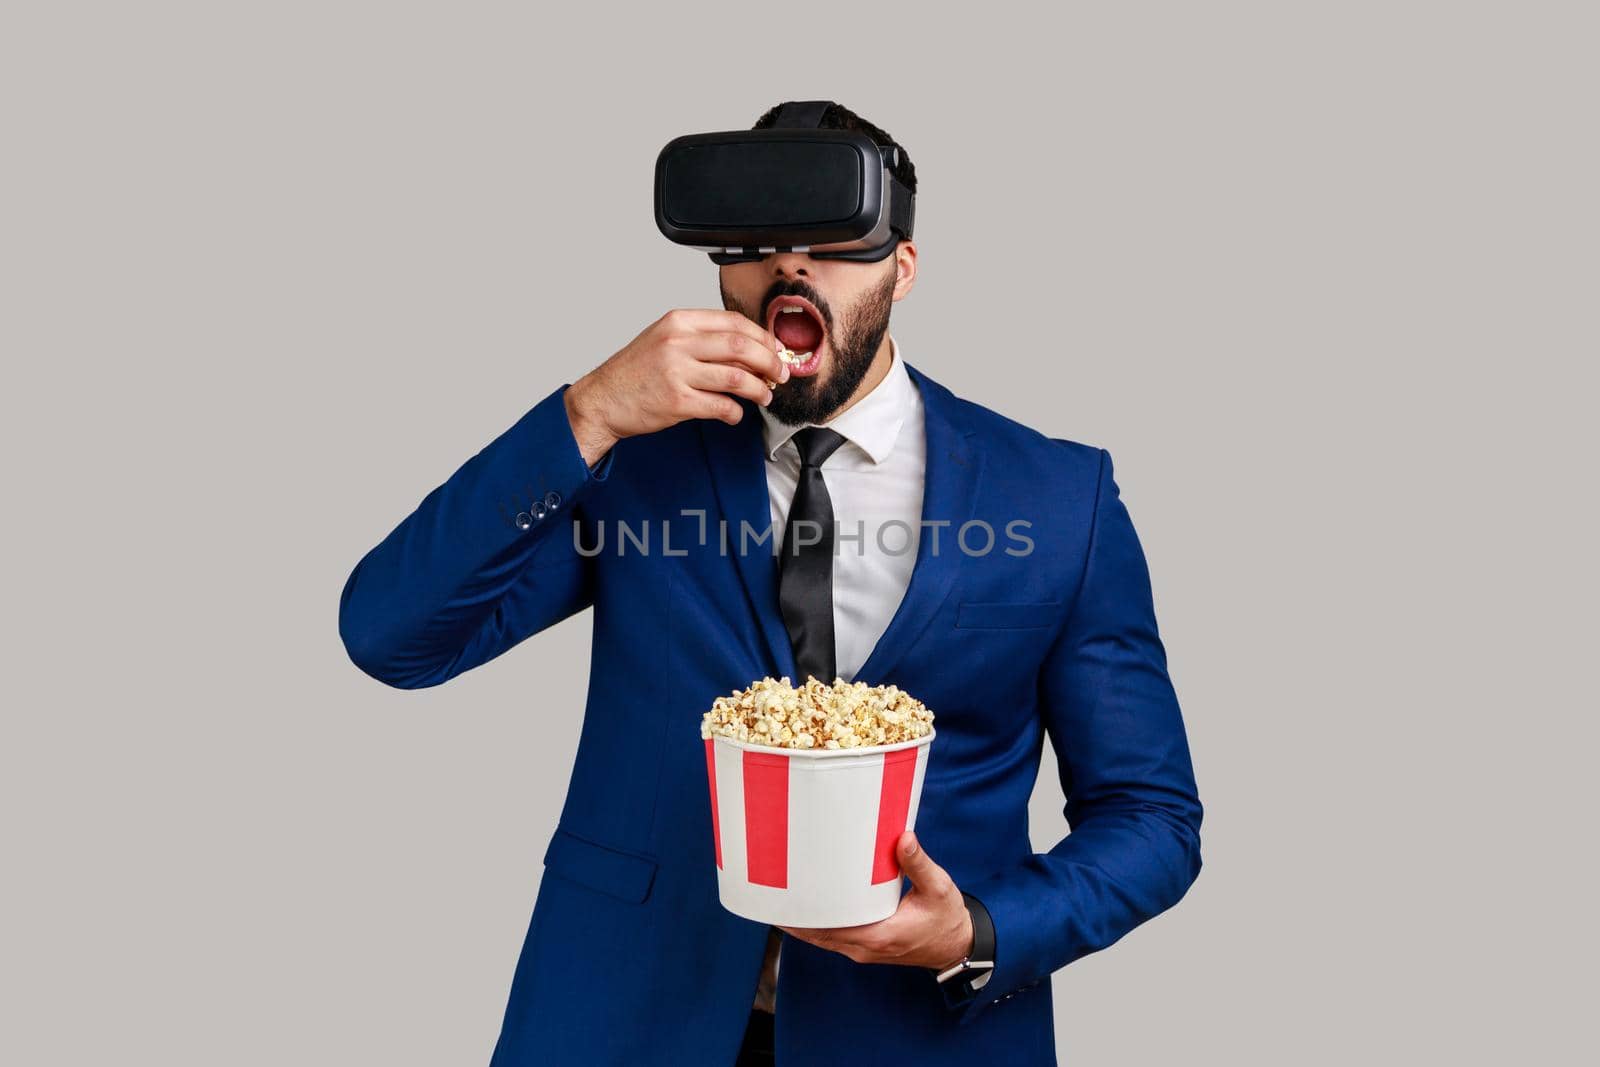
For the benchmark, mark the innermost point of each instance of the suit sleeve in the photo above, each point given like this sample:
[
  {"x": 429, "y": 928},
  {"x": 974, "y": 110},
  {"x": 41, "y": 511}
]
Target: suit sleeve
[
  {"x": 486, "y": 559},
  {"x": 1131, "y": 801}
]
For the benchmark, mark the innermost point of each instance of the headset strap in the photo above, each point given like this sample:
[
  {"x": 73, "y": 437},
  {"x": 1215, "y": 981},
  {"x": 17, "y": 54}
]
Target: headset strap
[
  {"x": 902, "y": 206},
  {"x": 801, "y": 114}
]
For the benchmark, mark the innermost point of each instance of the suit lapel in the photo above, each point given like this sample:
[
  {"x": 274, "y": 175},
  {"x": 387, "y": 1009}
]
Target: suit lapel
[
  {"x": 950, "y": 489},
  {"x": 949, "y": 495},
  {"x": 739, "y": 474}
]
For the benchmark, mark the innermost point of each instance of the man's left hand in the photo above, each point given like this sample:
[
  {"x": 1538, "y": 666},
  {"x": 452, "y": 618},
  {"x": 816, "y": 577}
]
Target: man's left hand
[{"x": 931, "y": 927}]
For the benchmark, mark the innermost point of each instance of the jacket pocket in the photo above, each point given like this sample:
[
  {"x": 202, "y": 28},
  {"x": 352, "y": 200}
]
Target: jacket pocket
[
  {"x": 624, "y": 875},
  {"x": 977, "y": 615}
]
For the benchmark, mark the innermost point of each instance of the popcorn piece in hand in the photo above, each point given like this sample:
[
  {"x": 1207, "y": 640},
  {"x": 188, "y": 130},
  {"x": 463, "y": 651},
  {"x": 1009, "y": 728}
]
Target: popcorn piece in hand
[
  {"x": 839, "y": 716},
  {"x": 791, "y": 357}
]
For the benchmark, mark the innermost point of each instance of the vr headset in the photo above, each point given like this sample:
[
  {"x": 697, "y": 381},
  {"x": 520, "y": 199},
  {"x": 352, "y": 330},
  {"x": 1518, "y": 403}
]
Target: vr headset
[{"x": 744, "y": 194}]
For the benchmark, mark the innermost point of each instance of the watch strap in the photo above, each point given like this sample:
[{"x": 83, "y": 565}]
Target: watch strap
[{"x": 962, "y": 979}]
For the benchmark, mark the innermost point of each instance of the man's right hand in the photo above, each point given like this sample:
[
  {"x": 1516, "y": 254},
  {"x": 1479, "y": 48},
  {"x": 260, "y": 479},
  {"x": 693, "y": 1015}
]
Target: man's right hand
[{"x": 683, "y": 366}]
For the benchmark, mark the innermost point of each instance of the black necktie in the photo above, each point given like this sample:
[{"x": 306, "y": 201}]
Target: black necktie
[{"x": 805, "y": 573}]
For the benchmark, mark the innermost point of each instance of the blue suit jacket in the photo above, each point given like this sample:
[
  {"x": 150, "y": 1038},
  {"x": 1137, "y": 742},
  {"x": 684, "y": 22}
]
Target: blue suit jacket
[{"x": 629, "y": 958}]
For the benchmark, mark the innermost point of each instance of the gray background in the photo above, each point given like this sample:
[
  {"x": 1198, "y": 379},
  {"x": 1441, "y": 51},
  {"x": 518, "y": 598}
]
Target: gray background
[{"x": 1322, "y": 278}]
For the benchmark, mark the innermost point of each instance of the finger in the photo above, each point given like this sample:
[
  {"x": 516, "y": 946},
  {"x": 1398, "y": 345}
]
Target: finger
[
  {"x": 735, "y": 347},
  {"x": 712, "y": 320},
  {"x": 706, "y": 405},
  {"x": 727, "y": 378},
  {"x": 870, "y": 939},
  {"x": 810, "y": 937},
  {"x": 925, "y": 874}
]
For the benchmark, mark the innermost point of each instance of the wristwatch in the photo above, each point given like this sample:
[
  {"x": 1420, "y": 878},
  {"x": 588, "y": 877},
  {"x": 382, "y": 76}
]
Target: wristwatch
[{"x": 972, "y": 972}]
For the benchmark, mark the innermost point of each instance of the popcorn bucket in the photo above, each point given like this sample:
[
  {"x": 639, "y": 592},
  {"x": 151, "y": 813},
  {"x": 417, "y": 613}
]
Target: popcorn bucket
[{"x": 806, "y": 837}]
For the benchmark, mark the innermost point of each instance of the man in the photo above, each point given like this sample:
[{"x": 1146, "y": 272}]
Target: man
[{"x": 916, "y": 539}]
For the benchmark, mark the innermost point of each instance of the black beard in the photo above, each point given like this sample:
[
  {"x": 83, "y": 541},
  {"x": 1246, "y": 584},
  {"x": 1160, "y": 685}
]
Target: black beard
[{"x": 817, "y": 398}]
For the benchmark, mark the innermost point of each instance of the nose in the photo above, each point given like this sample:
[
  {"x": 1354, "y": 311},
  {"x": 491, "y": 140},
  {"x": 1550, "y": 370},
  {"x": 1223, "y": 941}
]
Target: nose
[{"x": 790, "y": 264}]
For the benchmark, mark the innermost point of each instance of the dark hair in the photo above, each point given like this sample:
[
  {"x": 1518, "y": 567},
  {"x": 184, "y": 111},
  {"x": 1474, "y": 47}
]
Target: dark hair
[{"x": 839, "y": 117}]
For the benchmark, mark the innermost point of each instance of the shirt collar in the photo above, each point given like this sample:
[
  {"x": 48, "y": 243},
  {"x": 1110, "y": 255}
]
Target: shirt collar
[{"x": 872, "y": 423}]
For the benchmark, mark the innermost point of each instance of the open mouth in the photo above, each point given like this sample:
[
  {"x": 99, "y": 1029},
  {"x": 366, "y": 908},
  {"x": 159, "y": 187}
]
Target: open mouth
[{"x": 795, "y": 321}]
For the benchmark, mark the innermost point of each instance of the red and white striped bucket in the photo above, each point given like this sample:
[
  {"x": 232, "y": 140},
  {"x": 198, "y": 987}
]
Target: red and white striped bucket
[{"x": 806, "y": 837}]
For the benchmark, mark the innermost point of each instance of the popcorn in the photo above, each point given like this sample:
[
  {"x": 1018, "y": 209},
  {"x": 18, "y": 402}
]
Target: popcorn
[
  {"x": 816, "y": 715},
  {"x": 791, "y": 357}
]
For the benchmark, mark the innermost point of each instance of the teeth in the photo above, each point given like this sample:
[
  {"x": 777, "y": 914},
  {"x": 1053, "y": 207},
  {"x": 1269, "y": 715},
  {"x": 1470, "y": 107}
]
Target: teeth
[{"x": 788, "y": 355}]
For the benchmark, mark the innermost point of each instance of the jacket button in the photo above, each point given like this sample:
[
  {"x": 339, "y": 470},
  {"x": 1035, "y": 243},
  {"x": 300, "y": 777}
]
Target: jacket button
[
  {"x": 539, "y": 509},
  {"x": 524, "y": 520},
  {"x": 552, "y": 500}
]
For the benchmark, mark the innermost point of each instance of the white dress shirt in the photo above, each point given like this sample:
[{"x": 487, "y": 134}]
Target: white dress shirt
[{"x": 874, "y": 481}]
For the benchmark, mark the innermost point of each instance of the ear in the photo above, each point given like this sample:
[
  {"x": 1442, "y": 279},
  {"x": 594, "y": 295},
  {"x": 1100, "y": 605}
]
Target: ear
[{"x": 905, "y": 268}]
